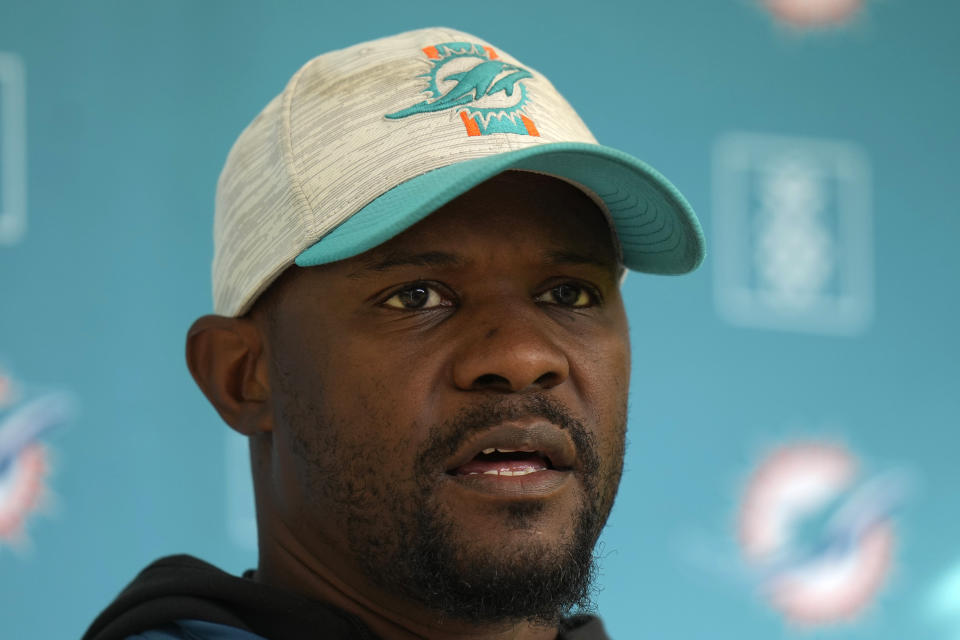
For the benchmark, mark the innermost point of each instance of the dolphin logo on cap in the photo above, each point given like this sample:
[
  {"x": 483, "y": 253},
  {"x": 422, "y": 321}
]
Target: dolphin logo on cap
[
  {"x": 488, "y": 93},
  {"x": 471, "y": 86}
]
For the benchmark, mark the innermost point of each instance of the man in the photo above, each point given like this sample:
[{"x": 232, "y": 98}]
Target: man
[{"x": 418, "y": 253}]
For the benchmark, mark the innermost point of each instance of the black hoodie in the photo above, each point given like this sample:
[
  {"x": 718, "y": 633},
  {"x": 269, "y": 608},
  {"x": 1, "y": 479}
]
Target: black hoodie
[{"x": 185, "y": 588}]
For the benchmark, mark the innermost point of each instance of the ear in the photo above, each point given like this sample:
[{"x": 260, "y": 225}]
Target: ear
[{"x": 226, "y": 357}]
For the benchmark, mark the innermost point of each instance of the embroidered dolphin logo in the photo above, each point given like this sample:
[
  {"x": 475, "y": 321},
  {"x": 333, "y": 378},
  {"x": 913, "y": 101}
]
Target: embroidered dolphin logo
[{"x": 471, "y": 86}]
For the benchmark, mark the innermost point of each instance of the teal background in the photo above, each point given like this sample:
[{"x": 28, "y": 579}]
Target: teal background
[{"x": 132, "y": 107}]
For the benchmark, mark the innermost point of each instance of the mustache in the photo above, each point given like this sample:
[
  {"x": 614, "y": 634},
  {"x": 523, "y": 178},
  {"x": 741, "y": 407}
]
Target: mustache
[{"x": 447, "y": 438}]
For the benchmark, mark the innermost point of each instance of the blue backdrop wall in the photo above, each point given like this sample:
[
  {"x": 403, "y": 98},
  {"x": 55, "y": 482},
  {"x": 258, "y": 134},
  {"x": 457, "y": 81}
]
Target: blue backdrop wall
[{"x": 803, "y": 381}]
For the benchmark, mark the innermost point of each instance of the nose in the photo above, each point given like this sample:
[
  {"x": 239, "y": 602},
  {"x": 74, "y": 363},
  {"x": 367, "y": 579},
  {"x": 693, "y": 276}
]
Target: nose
[{"x": 508, "y": 351}]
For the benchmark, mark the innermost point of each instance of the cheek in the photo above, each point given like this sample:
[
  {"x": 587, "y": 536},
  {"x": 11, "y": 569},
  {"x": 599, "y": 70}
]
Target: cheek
[
  {"x": 603, "y": 377},
  {"x": 341, "y": 446},
  {"x": 388, "y": 380},
  {"x": 610, "y": 389},
  {"x": 376, "y": 392},
  {"x": 601, "y": 366}
]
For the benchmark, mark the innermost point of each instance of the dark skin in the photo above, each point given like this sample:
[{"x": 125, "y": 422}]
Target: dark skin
[{"x": 352, "y": 381}]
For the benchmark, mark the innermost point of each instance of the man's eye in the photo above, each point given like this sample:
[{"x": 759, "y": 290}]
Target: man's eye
[
  {"x": 568, "y": 295},
  {"x": 418, "y": 296}
]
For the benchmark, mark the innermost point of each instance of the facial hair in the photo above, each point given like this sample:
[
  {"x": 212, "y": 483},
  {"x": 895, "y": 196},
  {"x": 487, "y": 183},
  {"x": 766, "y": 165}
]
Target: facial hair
[{"x": 404, "y": 542}]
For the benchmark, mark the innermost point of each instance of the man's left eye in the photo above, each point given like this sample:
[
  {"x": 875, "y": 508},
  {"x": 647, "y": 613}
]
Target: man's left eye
[
  {"x": 416, "y": 297},
  {"x": 568, "y": 295}
]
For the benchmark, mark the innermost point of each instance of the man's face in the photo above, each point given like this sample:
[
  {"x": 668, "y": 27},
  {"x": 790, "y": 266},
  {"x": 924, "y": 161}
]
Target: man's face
[{"x": 449, "y": 408}]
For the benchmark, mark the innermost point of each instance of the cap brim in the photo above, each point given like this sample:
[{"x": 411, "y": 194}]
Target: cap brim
[{"x": 657, "y": 228}]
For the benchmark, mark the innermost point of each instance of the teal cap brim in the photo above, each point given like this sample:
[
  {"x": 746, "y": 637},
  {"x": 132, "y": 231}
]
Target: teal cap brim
[{"x": 657, "y": 228}]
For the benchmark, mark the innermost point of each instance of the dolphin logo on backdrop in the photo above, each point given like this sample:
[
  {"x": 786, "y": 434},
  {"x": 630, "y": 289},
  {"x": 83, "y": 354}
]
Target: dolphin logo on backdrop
[
  {"x": 24, "y": 460},
  {"x": 814, "y": 13},
  {"x": 487, "y": 92},
  {"x": 819, "y": 540}
]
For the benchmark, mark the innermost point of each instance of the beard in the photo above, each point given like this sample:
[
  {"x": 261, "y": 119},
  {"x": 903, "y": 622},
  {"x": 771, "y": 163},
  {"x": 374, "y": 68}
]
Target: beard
[{"x": 406, "y": 543}]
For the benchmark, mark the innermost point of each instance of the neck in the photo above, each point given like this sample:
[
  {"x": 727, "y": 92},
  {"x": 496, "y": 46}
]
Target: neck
[{"x": 286, "y": 564}]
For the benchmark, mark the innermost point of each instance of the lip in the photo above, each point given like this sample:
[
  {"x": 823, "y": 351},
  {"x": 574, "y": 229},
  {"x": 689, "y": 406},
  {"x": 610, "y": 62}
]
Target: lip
[
  {"x": 536, "y": 485},
  {"x": 540, "y": 436}
]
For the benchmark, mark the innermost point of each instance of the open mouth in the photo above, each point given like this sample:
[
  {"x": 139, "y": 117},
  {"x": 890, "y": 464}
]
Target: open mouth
[
  {"x": 494, "y": 461},
  {"x": 534, "y": 448}
]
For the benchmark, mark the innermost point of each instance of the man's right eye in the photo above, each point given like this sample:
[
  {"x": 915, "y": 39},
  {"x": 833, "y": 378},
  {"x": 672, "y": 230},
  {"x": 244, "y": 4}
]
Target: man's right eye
[{"x": 416, "y": 297}]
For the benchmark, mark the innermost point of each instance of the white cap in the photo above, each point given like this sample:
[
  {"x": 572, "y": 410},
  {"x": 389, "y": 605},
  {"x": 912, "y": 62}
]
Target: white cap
[{"x": 385, "y": 132}]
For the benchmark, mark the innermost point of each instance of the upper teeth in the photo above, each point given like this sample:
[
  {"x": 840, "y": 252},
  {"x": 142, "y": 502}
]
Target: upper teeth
[{"x": 492, "y": 449}]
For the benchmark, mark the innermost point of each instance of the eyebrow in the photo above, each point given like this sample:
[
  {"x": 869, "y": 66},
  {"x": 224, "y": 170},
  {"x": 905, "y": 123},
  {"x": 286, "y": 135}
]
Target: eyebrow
[
  {"x": 403, "y": 259},
  {"x": 572, "y": 257},
  {"x": 399, "y": 259}
]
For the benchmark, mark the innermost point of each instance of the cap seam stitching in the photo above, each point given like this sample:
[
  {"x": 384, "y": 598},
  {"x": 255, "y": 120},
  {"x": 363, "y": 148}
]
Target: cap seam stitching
[{"x": 305, "y": 207}]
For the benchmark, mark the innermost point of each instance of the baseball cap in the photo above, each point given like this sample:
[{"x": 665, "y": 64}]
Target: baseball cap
[{"x": 366, "y": 141}]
